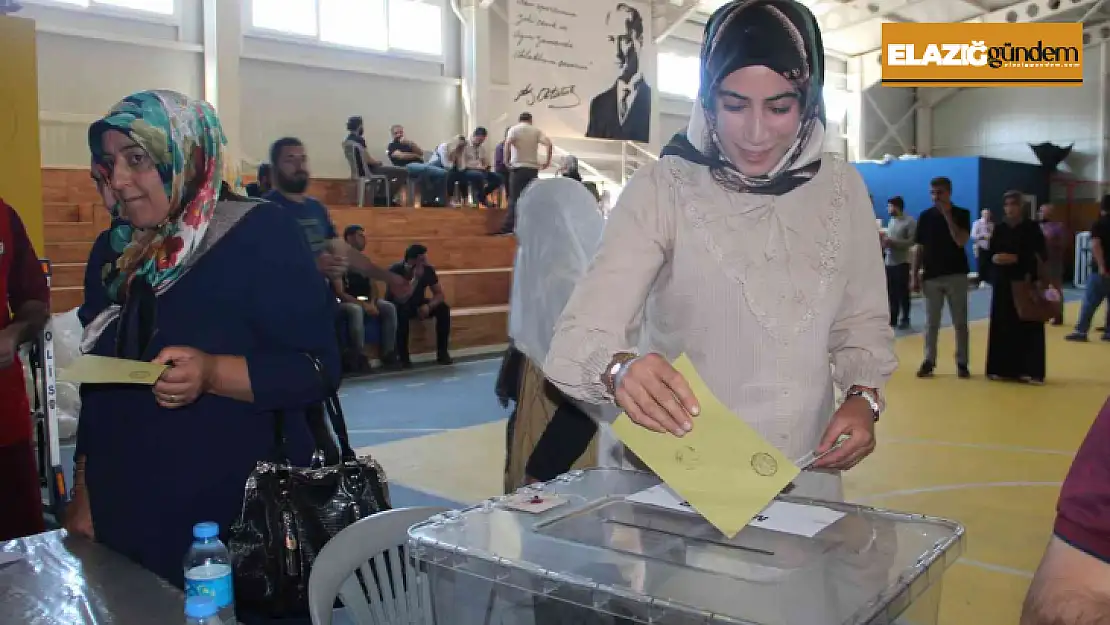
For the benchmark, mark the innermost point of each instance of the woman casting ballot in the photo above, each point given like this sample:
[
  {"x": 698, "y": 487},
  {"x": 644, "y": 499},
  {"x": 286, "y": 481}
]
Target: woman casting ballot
[{"x": 751, "y": 251}]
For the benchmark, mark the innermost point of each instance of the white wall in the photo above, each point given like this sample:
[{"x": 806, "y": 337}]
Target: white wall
[
  {"x": 1001, "y": 123},
  {"x": 88, "y": 61},
  {"x": 309, "y": 92}
]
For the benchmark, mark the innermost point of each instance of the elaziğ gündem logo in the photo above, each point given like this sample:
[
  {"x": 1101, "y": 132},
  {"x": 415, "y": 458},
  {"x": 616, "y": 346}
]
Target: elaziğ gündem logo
[{"x": 982, "y": 54}]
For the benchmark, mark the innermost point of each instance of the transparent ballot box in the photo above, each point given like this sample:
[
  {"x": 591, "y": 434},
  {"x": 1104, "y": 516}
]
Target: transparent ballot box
[{"x": 600, "y": 559}]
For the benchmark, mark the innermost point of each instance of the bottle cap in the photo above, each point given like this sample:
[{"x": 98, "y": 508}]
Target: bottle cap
[
  {"x": 200, "y": 607},
  {"x": 206, "y": 530}
]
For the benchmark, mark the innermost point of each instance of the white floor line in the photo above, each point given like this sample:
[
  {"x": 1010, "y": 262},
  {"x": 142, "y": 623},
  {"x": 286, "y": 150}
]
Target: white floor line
[
  {"x": 398, "y": 430},
  {"x": 376, "y": 390},
  {"x": 950, "y": 487},
  {"x": 453, "y": 378},
  {"x": 415, "y": 384},
  {"x": 996, "y": 568},
  {"x": 984, "y": 446},
  {"x": 486, "y": 374}
]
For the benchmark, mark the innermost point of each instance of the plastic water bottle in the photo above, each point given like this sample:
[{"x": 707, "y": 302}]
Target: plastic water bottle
[
  {"x": 201, "y": 610},
  {"x": 208, "y": 571}
]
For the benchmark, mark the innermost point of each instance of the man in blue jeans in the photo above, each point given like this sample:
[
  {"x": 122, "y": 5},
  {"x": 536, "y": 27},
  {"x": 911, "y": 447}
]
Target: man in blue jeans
[{"x": 1098, "y": 283}]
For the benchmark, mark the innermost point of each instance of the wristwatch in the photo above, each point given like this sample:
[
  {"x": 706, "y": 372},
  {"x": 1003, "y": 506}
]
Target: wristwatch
[
  {"x": 871, "y": 396},
  {"x": 612, "y": 374}
]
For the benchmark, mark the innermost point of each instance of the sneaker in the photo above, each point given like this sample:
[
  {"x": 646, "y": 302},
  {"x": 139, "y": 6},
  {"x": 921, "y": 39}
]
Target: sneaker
[
  {"x": 444, "y": 359},
  {"x": 905, "y": 325},
  {"x": 1076, "y": 337},
  {"x": 926, "y": 370},
  {"x": 962, "y": 372}
]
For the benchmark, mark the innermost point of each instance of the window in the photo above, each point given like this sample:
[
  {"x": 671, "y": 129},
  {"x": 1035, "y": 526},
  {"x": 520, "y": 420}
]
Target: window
[
  {"x": 161, "y": 7},
  {"x": 355, "y": 23},
  {"x": 415, "y": 27},
  {"x": 296, "y": 17},
  {"x": 411, "y": 26},
  {"x": 678, "y": 74}
]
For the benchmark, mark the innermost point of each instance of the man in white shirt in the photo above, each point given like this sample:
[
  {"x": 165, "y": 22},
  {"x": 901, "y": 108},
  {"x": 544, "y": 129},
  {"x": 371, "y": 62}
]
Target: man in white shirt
[
  {"x": 476, "y": 167},
  {"x": 523, "y": 145},
  {"x": 981, "y": 233},
  {"x": 624, "y": 110}
]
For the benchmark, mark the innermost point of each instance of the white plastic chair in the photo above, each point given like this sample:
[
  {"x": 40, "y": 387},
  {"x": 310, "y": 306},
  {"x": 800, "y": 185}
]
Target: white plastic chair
[
  {"x": 396, "y": 596},
  {"x": 353, "y": 153}
]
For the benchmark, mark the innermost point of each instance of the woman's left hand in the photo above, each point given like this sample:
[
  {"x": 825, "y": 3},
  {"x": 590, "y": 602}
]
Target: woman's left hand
[
  {"x": 186, "y": 378},
  {"x": 856, "y": 419}
]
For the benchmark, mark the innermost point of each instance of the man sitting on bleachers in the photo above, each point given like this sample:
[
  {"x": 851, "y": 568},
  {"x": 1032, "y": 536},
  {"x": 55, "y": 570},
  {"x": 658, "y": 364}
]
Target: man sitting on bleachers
[
  {"x": 479, "y": 177},
  {"x": 358, "y": 300},
  {"x": 422, "y": 277},
  {"x": 448, "y": 156},
  {"x": 363, "y": 164},
  {"x": 405, "y": 153}
]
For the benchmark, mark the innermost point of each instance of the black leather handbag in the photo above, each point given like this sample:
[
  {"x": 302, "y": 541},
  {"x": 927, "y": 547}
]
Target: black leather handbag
[{"x": 289, "y": 513}]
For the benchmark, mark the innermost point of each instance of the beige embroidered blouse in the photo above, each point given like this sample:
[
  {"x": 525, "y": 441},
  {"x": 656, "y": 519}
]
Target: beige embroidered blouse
[{"x": 763, "y": 293}]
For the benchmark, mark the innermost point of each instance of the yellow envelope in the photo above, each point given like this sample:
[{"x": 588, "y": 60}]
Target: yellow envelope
[
  {"x": 89, "y": 369},
  {"x": 723, "y": 468}
]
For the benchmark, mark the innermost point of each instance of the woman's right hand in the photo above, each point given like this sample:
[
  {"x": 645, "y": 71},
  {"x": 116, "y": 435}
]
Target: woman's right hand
[
  {"x": 78, "y": 517},
  {"x": 656, "y": 396}
]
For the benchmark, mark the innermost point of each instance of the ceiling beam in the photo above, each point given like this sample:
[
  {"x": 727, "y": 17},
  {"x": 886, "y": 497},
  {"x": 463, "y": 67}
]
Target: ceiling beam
[
  {"x": 1095, "y": 34},
  {"x": 1030, "y": 11},
  {"x": 856, "y": 12}
]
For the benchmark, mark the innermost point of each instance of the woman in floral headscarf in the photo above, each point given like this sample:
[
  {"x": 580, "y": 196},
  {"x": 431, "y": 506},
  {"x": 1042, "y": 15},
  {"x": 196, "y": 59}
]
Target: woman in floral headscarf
[
  {"x": 751, "y": 251},
  {"x": 228, "y": 295}
]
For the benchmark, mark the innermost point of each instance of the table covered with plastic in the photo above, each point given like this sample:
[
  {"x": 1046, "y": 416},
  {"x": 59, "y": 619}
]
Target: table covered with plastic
[
  {"x": 604, "y": 558},
  {"x": 53, "y": 578}
]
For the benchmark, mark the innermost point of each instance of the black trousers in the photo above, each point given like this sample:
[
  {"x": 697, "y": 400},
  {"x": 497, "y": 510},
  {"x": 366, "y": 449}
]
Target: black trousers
[
  {"x": 898, "y": 292},
  {"x": 519, "y": 179},
  {"x": 407, "y": 312}
]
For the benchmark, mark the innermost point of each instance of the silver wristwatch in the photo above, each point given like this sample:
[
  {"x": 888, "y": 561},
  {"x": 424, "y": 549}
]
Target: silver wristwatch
[
  {"x": 868, "y": 395},
  {"x": 613, "y": 373}
]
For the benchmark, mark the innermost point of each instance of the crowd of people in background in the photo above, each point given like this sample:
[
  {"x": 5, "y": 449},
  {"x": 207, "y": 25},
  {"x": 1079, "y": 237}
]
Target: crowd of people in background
[{"x": 1014, "y": 253}]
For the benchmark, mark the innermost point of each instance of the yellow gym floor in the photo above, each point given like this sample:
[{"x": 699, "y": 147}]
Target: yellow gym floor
[{"x": 991, "y": 455}]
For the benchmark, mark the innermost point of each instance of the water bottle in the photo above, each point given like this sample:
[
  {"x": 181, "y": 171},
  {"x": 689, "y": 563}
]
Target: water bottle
[
  {"x": 208, "y": 571},
  {"x": 201, "y": 610}
]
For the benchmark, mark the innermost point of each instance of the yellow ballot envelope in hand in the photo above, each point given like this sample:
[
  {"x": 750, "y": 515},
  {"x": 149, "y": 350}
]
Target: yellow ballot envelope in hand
[
  {"x": 89, "y": 369},
  {"x": 723, "y": 468}
]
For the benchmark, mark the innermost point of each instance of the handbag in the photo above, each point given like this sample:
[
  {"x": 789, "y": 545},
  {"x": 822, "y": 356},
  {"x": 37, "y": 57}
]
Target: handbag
[
  {"x": 1031, "y": 303},
  {"x": 289, "y": 513}
]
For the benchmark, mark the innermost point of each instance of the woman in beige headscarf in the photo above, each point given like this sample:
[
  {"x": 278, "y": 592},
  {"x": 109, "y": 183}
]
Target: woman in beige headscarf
[{"x": 751, "y": 251}]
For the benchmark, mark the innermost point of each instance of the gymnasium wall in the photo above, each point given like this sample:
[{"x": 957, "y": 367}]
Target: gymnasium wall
[
  {"x": 910, "y": 179},
  {"x": 1002, "y": 122}
]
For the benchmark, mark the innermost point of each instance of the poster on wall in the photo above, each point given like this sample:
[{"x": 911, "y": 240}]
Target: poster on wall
[{"x": 583, "y": 68}]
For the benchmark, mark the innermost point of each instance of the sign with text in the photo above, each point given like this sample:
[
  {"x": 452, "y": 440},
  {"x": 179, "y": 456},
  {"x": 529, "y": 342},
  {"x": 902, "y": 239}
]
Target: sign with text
[
  {"x": 583, "y": 67},
  {"x": 1041, "y": 54}
]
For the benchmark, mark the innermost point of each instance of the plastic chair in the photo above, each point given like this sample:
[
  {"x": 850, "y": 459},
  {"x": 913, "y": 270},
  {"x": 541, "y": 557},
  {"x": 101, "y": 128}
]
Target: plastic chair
[
  {"x": 365, "y": 567},
  {"x": 353, "y": 153}
]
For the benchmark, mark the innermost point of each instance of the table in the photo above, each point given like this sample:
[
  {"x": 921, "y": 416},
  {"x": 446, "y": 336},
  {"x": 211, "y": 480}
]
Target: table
[{"x": 64, "y": 580}]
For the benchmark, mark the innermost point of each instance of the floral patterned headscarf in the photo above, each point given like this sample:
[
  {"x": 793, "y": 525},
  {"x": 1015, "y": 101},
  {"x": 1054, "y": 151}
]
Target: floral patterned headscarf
[{"x": 184, "y": 138}]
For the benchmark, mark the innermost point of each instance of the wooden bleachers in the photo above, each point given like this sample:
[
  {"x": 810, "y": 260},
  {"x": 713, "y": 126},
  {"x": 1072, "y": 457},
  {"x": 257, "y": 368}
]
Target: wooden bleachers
[{"x": 475, "y": 269}]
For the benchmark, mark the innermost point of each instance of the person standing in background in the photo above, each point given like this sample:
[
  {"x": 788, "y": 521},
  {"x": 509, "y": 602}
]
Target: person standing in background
[
  {"x": 898, "y": 246},
  {"x": 523, "y": 145},
  {"x": 940, "y": 270},
  {"x": 981, "y": 232},
  {"x": 23, "y": 290},
  {"x": 1056, "y": 247},
  {"x": 1097, "y": 288}
]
